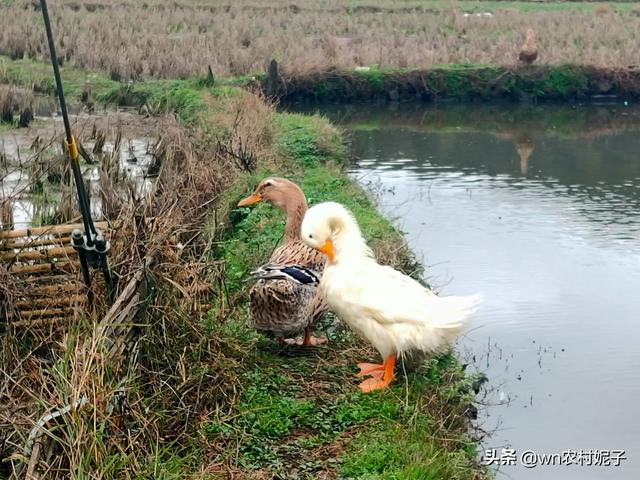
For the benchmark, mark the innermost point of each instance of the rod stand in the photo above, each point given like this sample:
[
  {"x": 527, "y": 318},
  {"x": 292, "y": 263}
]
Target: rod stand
[
  {"x": 91, "y": 245},
  {"x": 94, "y": 255}
]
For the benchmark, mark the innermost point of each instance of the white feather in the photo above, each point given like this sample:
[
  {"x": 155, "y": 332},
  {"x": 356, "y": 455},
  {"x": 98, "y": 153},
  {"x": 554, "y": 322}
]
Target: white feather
[{"x": 391, "y": 310}]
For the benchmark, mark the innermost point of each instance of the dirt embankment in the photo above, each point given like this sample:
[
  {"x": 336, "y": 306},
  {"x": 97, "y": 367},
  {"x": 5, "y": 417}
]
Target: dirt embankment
[{"x": 464, "y": 83}]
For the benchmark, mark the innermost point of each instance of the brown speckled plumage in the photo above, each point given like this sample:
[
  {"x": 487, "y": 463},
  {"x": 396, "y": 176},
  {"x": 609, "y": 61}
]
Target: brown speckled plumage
[
  {"x": 283, "y": 307},
  {"x": 529, "y": 51},
  {"x": 297, "y": 252}
]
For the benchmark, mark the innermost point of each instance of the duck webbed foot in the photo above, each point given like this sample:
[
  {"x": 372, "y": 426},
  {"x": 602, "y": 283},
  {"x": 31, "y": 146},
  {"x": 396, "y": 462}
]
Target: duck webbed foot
[
  {"x": 375, "y": 370},
  {"x": 311, "y": 341},
  {"x": 381, "y": 375},
  {"x": 308, "y": 340}
]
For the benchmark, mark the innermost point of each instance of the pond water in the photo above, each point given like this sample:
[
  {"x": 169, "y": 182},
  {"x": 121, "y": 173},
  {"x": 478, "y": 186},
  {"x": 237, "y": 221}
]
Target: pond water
[
  {"x": 31, "y": 163},
  {"x": 538, "y": 208}
]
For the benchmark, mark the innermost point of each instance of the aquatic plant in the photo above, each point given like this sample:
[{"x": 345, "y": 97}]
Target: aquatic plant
[{"x": 16, "y": 102}]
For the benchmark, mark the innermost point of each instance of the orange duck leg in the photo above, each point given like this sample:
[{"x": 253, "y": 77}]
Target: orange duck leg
[{"x": 379, "y": 381}]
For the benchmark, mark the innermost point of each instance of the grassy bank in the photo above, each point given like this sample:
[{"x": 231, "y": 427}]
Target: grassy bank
[
  {"x": 209, "y": 397},
  {"x": 451, "y": 82},
  {"x": 464, "y": 83},
  {"x": 83, "y": 88},
  {"x": 298, "y": 414}
]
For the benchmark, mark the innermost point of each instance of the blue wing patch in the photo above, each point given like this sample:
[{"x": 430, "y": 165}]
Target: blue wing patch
[
  {"x": 295, "y": 273},
  {"x": 300, "y": 274}
]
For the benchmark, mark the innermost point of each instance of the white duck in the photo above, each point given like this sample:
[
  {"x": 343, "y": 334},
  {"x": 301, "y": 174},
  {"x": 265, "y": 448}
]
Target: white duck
[{"x": 394, "y": 312}]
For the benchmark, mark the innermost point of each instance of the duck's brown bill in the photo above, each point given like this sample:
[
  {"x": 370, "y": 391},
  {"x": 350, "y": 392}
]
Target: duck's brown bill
[{"x": 250, "y": 200}]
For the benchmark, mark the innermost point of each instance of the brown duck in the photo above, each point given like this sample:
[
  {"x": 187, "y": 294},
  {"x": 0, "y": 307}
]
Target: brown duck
[
  {"x": 529, "y": 50},
  {"x": 280, "y": 305}
]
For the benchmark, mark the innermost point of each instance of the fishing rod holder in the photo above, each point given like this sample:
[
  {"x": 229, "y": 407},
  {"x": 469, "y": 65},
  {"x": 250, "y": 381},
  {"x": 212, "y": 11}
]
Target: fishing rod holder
[
  {"x": 96, "y": 254},
  {"x": 91, "y": 245}
]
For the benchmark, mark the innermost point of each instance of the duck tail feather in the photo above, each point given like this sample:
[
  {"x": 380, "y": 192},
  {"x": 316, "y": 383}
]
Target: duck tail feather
[{"x": 456, "y": 311}]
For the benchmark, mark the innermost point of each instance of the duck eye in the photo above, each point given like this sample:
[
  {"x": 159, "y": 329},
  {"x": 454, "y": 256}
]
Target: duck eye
[
  {"x": 268, "y": 184},
  {"x": 310, "y": 236}
]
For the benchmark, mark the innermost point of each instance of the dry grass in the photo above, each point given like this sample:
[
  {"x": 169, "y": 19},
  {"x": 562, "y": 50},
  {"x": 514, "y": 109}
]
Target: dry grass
[
  {"x": 35, "y": 172},
  {"x": 16, "y": 106},
  {"x": 134, "y": 408},
  {"x": 248, "y": 135},
  {"x": 132, "y": 40},
  {"x": 604, "y": 9},
  {"x": 204, "y": 393}
]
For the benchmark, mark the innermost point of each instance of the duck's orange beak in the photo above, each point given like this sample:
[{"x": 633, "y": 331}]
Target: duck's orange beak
[
  {"x": 250, "y": 200},
  {"x": 327, "y": 249}
]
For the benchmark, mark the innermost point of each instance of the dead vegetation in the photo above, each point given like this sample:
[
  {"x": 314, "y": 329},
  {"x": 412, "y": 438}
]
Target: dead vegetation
[
  {"x": 125, "y": 411},
  {"x": 249, "y": 136},
  {"x": 35, "y": 174},
  {"x": 16, "y": 106},
  {"x": 131, "y": 40}
]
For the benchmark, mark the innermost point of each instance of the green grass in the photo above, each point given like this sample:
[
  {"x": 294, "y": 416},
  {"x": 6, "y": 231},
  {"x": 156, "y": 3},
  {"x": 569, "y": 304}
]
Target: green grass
[
  {"x": 39, "y": 76},
  {"x": 394, "y": 450},
  {"x": 278, "y": 421},
  {"x": 291, "y": 413},
  {"x": 462, "y": 82},
  {"x": 308, "y": 140},
  {"x": 275, "y": 411},
  {"x": 483, "y": 81},
  {"x": 184, "y": 97},
  {"x": 187, "y": 98},
  {"x": 299, "y": 404},
  {"x": 546, "y": 6}
]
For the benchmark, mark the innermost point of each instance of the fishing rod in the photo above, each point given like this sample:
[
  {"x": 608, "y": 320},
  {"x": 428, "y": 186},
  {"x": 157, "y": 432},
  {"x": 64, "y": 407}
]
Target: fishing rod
[{"x": 91, "y": 245}]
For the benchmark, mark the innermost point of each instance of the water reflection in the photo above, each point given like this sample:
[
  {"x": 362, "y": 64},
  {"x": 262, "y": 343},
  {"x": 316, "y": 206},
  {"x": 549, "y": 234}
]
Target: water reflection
[
  {"x": 539, "y": 209},
  {"x": 600, "y": 175}
]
